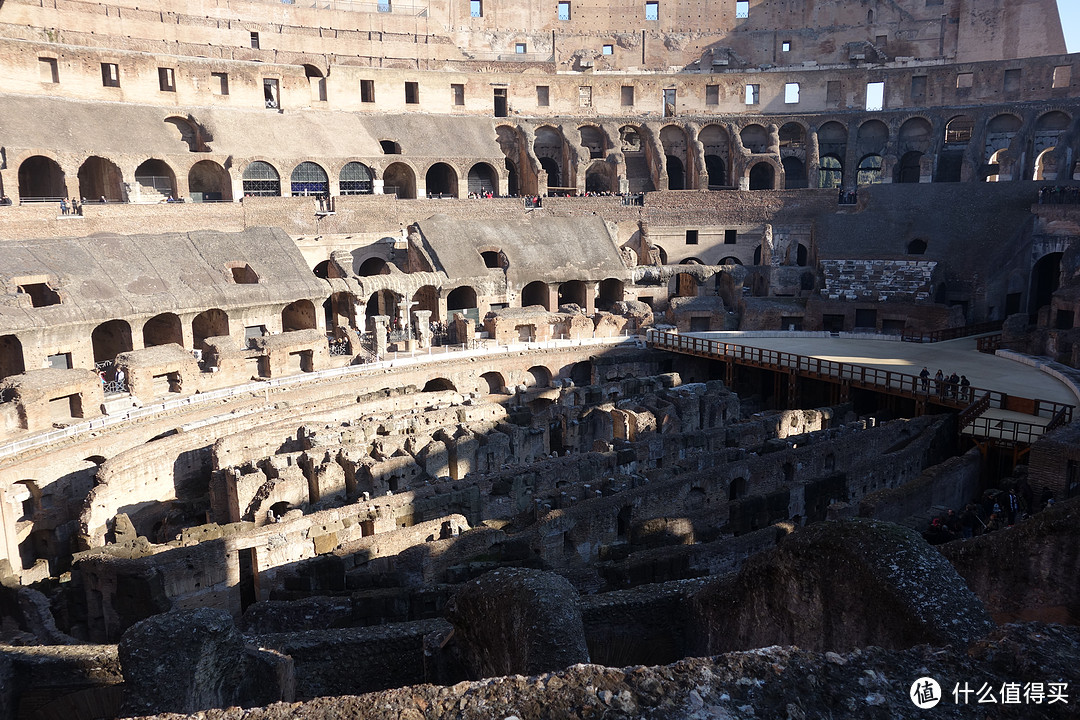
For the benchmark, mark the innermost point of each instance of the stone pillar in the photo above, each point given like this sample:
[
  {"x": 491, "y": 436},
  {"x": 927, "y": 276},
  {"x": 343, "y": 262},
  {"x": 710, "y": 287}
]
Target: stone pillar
[
  {"x": 423, "y": 327},
  {"x": 381, "y": 325},
  {"x": 813, "y": 159}
]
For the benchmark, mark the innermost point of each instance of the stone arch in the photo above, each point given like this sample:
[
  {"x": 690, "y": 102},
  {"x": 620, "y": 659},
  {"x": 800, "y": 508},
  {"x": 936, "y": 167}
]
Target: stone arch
[
  {"x": 601, "y": 178},
  {"x": 41, "y": 177},
  {"x": 729, "y": 260},
  {"x": 1045, "y": 279},
  {"x": 762, "y": 176},
  {"x": 512, "y": 143},
  {"x": 994, "y": 165},
  {"x": 12, "y": 361},
  {"x": 832, "y": 139},
  {"x": 493, "y": 382},
  {"x": 755, "y": 138},
  {"x": 427, "y": 298},
  {"x": 1045, "y": 166},
  {"x": 916, "y": 247},
  {"x": 549, "y": 147},
  {"x": 382, "y": 302},
  {"x": 356, "y": 178},
  {"x": 109, "y": 339},
  {"x": 959, "y": 129},
  {"x": 909, "y": 169},
  {"x": 155, "y": 181},
  {"x": 209, "y": 181},
  {"x": 869, "y": 170},
  {"x": 573, "y": 292},
  {"x": 581, "y": 373},
  {"x": 686, "y": 285},
  {"x": 537, "y": 376},
  {"x": 316, "y": 81},
  {"x": 830, "y": 171},
  {"x": 611, "y": 291},
  {"x": 483, "y": 179},
  {"x": 441, "y": 179},
  {"x": 207, "y": 324},
  {"x": 916, "y": 134},
  {"x": 632, "y": 144},
  {"x": 439, "y": 384},
  {"x": 400, "y": 179},
  {"x": 461, "y": 298},
  {"x": 692, "y": 261},
  {"x": 595, "y": 140},
  {"x": 163, "y": 329},
  {"x": 873, "y": 137},
  {"x": 373, "y": 266},
  {"x": 717, "y": 145},
  {"x": 792, "y": 136},
  {"x": 309, "y": 178},
  {"x": 261, "y": 179},
  {"x": 794, "y": 173},
  {"x": 674, "y": 141},
  {"x": 298, "y": 315},
  {"x": 536, "y": 293},
  {"x": 190, "y": 133},
  {"x": 101, "y": 178}
]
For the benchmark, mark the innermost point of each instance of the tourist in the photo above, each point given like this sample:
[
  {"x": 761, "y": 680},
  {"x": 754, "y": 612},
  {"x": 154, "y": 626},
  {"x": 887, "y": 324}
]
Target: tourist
[
  {"x": 954, "y": 383},
  {"x": 925, "y": 375},
  {"x": 939, "y": 382},
  {"x": 119, "y": 378},
  {"x": 965, "y": 388},
  {"x": 63, "y": 206}
]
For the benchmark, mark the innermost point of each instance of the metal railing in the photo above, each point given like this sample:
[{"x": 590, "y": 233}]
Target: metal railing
[
  {"x": 989, "y": 343},
  {"x": 858, "y": 375},
  {"x": 952, "y": 333}
]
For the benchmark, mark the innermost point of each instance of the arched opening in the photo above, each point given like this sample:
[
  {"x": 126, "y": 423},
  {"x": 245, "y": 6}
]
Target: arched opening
[
  {"x": 338, "y": 312},
  {"x": 581, "y": 373},
  {"x": 551, "y": 167},
  {"x": 482, "y": 180},
  {"x": 427, "y": 298},
  {"x": 831, "y": 172},
  {"x": 638, "y": 176},
  {"x": 958, "y": 131},
  {"x": 110, "y": 339},
  {"x": 163, "y": 329},
  {"x": 598, "y": 179},
  {"x": 399, "y": 180},
  {"x": 594, "y": 140},
  {"x": 714, "y": 165},
  {"x": 692, "y": 261},
  {"x": 916, "y": 247},
  {"x": 662, "y": 253},
  {"x": 492, "y": 382},
  {"x": 383, "y": 302},
  {"x": 41, "y": 178},
  {"x": 802, "y": 255},
  {"x": 717, "y": 146},
  {"x": 686, "y": 285},
  {"x": 373, "y": 266},
  {"x": 208, "y": 181},
  {"x": 101, "y": 178},
  {"x": 512, "y": 186},
  {"x": 916, "y": 134},
  {"x": 755, "y": 138},
  {"x": 536, "y": 293},
  {"x": 355, "y": 179},
  {"x": 298, "y": 315},
  {"x": 910, "y": 168},
  {"x": 762, "y": 176},
  {"x": 441, "y": 179},
  {"x": 316, "y": 82},
  {"x": 676, "y": 174},
  {"x": 611, "y": 292},
  {"x": 950, "y": 166},
  {"x": 538, "y": 376},
  {"x": 493, "y": 259},
  {"x": 832, "y": 140},
  {"x": 390, "y": 147},
  {"x": 737, "y": 489},
  {"x": 869, "y": 170},
  {"x": 794, "y": 173},
  {"x": 792, "y": 136},
  {"x": 309, "y": 178},
  {"x": 190, "y": 133},
  {"x": 208, "y": 324},
  {"x": 573, "y": 292},
  {"x": 322, "y": 270},
  {"x": 994, "y": 166},
  {"x": 260, "y": 179},
  {"x": 1045, "y": 279},
  {"x": 1046, "y": 166},
  {"x": 438, "y": 385},
  {"x": 729, "y": 260},
  {"x": 11, "y": 356},
  {"x": 155, "y": 181},
  {"x": 461, "y": 299},
  {"x": 872, "y": 138}
]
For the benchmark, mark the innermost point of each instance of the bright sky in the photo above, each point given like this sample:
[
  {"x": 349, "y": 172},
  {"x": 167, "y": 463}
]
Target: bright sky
[{"x": 1070, "y": 21}]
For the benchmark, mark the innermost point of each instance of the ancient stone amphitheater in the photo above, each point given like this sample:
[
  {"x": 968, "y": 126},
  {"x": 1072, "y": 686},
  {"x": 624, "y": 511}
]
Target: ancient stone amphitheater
[{"x": 409, "y": 358}]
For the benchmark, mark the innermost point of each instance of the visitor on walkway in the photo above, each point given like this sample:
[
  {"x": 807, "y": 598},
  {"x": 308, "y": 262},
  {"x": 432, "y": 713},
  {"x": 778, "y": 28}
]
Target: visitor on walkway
[{"x": 925, "y": 375}]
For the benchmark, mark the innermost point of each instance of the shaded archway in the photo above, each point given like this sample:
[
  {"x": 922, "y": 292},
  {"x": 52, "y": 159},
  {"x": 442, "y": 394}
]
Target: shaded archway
[
  {"x": 675, "y": 144},
  {"x": 686, "y": 285},
  {"x": 581, "y": 373},
  {"x": 261, "y": 179},
  {"x": 338, "y": 312},
  {"x": 492, "y": 382},
  {"x": 101, "y": 178},
  {"x": 755, "y": 138},
  {"x": 399, "y": 180},
  {"x": 383, "y": 302},
  {"x": 716, "y": 145},
  {"x": 208, "y": 324},
  {"x": 794, "y": 173},
  {"x": 573, "y": 292},
  {"x": 163, "y": 329},
  {"x": 41, "y": 178},
  {"x": 611, "y": 292},
  {"x": 208, "y": 181},
  {"x": 110, "y": 339},
  {"x": 638, "y": 175},
  {"x": 916, "y": 247},
  {"x": 373, "y": 266},
  {"x": 482, "y": 180},
  {"x": 792, "y": 136},
  {"x": 355, "y": 179},
  {"x": 548, "y": 147},
  {"x": 762, "y": 176},
  {"x": 155, "y": 181},
  {"x": 1045, "y": 279},
  {"x": 309, "y": 178},
  {"x": 594, "y": 140},
  {"x": 676, "y": 174},
  {"x": 551, "y": 167},
  {"x": 427, "y": 298},
  {"x": 298, "y": 315},
  {"x": 830, "y": 172},
  {"x": 438, "y": 385},
  {"x": 869, "y": 170},
  {"x": 538, "y": 376},
  {"x": 916, "y": 134},
  {"x": 1045, "y": 166},
  {"x": 873, "y": 137},
  {"x": 460, "y": 299},
  {"x": 11, "y": 356},
  {"x": 714, "y": 165},
  {"x": 536, "y": 293},
  {"x": 832, "y": 139},
  {"x": 441, "y": 179},
  {"x": 910, "y": 168},
  {"x": 598, "y": 179}
]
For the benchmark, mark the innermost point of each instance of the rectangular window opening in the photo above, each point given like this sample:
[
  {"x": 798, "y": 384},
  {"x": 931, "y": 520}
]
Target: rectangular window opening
[
  {"x": 712, "y": 94},
  {"x": 520, "y": 48},
  {"x": 457, "y": 93},
  {"x": 110, "y": 75},
  {"x": 691, "y": 237},
  {"x": 166, "y": 80},
  {"x": 59, "y": 361},
  {"x": 670, "y": 104},
  {"x": 270, "y": 93},
  {"x": 1062, "y": 76},
  {"x": 608, "y": 50},
  {"x": 730, "y": 237},
  {"x": 219, "y": 83},
  {"x": 476, "y": 8},
  {"x": 585, "y": 96},
  {"x": 542, "y": 95},
  {"x": 785, "y": 46},
  {"x": 255, "y": 40},
  {"x": 412, "y": 93},
  {"x": 652, "y": 11},
  {"x": 753, "y": 94},
  {"x": 627, "y": 95},
  {"x": 918, "y": 86},
  {"x": 875, "y": 95},
  {"x": 564, "y": 10},
  {"x": 384, "y": 6},
  {"x": 742, "y": 9},
  {"x": 964, "y": 80},
  {"x": 501, "y": 109},
  {"x": 791, "y": 93},
  {"x": 367, "y": 91},
  {"x": 47, "y": 70},
  {"x": 1011, "y": 80},
  {"x": 833, "y": 91}
]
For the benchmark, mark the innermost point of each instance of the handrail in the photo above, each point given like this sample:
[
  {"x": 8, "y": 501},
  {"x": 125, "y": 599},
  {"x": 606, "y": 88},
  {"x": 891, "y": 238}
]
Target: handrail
[
  {"x": 989, "y": 343},
  {"x": 952, "y": 333},
  {"x": 973, "y": 411}
]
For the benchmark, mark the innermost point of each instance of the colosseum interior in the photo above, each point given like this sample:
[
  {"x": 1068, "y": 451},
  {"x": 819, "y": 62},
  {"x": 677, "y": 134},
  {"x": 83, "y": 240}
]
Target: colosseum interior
[{"x": 507, "y": 358}]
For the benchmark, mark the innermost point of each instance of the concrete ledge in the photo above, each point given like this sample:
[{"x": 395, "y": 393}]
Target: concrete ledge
[{"x": 1068, "y": 375}]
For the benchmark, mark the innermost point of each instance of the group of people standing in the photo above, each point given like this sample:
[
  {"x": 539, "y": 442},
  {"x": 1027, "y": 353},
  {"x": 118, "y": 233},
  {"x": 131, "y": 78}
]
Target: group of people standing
[
  {"x": 948, "y": 386},
  {"x": 75, "y": 208}
]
